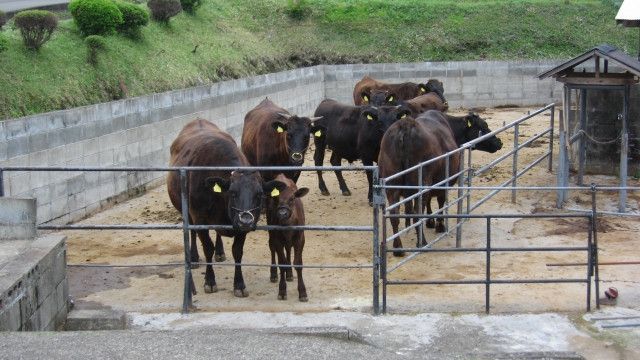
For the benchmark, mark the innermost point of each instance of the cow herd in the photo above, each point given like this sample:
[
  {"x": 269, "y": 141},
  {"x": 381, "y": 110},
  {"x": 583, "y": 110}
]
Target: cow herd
[{"x": 395, "y": 125}]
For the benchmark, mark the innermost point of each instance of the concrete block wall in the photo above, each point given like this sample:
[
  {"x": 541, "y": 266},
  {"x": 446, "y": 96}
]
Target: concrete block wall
[
  {"x": 132, "y": 132},
  {"x": 138, "y": 131},
  {"x": 466, "y": 83},
  {"x": 33, "y": 276}
]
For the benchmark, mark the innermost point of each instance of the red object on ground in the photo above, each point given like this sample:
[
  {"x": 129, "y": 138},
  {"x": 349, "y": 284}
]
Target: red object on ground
[{"x": 611, "y": 293}]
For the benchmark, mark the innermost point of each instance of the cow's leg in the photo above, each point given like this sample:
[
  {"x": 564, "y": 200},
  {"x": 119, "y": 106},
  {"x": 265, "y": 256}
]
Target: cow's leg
[
  {"x": 194, "y": 256},
  {"x": 318, "y": 159},
  {"x": 440, "y": 222},
  {"x": 219, "y": 249},
  {"x": 209, "y": 276},
  {"x": 336, "y": 160},
  {"x": 367, "y": 162},
  {"x": 295, "y": 176},
  {"x": 392, "y": 197},
  {"x": 431, "y": 223},
  {"x": 282, "y": 260},
  {"x": 298, "y": 245},
  {"x": 288, "y": 271},
  {"x": 239, "y": 288},
  {"x": 273, "y": 271},
  {"x": 419, "y": 231}
]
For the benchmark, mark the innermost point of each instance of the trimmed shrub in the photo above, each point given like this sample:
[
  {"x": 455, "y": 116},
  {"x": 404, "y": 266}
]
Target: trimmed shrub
[
  {"x": 36, "y": 27},
  {"x": 96, "y": 17},
  {"x": 4, "y": 43},
  {"x": 163, "y": 10},
  {"x": 95, "y": 44},
  {"x": 3, "y": 19},
  {"x": 190, "y": 6},
  {"x": 133, "y": 16},
  {"x": 298, "y": 9}
]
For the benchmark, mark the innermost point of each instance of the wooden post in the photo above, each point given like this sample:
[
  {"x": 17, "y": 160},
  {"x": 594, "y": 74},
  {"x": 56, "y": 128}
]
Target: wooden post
[
  {"x": 563, "y": 171},
  {"x": 624, "y": 151},
  {"x": 583, "y": 137}
]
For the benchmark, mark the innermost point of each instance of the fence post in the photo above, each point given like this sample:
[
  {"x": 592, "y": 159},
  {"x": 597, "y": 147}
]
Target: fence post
[
  {"x": 594, "y": 255},
  {"x": 446, "y": 194},
  {"x": 1, "y": 183},
  {"x": 419, "y": 228},
  {"x": 378, "y": 201},
  {"x": 383, "y": 248},
  {"x": 514, "y": 166},
  {"x": 487, "y": 290},
  {"x": 553, "y": 108},
  {"x": 187, "y": 299},
  {"x": 460, "y": 200}
]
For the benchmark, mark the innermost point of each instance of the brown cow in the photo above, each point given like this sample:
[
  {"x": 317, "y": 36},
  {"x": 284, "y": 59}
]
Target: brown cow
[
  {"x": 403, "y": 91},
  {"x": 216, "y": 196},
  {"x": 273, "y": 137},
  {"x": 286, "y": 209},
  {"x": 407, "y": 143}
]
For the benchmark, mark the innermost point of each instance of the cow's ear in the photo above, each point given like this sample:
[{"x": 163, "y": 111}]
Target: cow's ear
[
  {"x": 403, "y": 114},
  {"x": 365, "y": 97},
  {"x": 369, "y": 115},
  {"x": 273, "y": 187},
  {"x": 217, "y": 184},
  {"x": 301, "y": 192},
  {"x": 317, "y": 130},
  {"x": 279, "y": 127}
]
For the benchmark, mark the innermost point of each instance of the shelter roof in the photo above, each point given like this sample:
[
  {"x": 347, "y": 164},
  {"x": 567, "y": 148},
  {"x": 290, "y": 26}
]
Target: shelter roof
[
  {"x": 629, "y": 13},
  {"x": 603, "y": 51}
]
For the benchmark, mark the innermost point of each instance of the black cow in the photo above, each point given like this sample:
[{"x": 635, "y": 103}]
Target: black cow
[
  {"x": 217, "y": 197},
  {"x": 352, "y": 133}
]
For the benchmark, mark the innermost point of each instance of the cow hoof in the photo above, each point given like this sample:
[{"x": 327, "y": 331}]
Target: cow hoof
[
  {"x": 240, "y": 293},
  {"x": 303, "y": 299},
  {"x": 346, "y": 193},
  {"x": 440, "y": 229},
  {"x": 289, "y": 277},
  {"x": 274, "y": 279},
  {"x": 220, "y": 258},
  {"x": 398, "y": 253},
  {"x": 282, "y": 297},
  {"x": 325, "y": 192},
  {"x": 210, "y": 289},
  {"x": 431, "y": 224}
]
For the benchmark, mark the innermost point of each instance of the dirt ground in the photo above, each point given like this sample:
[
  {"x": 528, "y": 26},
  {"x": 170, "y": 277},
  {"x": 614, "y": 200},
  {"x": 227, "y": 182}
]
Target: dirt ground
[{"x": 160, "y": 289}]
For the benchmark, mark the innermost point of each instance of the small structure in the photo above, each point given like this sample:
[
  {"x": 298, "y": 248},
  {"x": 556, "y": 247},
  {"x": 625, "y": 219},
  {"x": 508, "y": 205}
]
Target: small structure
[
  {"x": 629, "y": 16},
  {"x": 597, "y": 111}
]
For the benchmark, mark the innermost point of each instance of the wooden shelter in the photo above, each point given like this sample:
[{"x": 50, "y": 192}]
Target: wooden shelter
[{"x": 602, "y": 80}]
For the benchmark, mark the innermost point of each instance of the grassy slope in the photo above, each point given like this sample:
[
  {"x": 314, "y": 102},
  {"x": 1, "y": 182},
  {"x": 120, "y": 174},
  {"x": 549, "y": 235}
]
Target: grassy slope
[{"x": 246, "y": 37}]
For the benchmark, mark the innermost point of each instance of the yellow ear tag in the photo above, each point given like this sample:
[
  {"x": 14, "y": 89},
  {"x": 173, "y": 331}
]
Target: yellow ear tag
[
  {"x": 422, "y": 90},
  {"x": 275, "y": 192},
  {"x": 369, "y": 117},
  {"x": 390, "y": 98},
  {"x": 468, "y": 123},
  {"x": 317, "y": 133},
  {"x": 217, "y": 188},
  {"x": 365, "y": 98},
  {"x": 279, "y": 129},
  {"x": 403, "y": 116}
]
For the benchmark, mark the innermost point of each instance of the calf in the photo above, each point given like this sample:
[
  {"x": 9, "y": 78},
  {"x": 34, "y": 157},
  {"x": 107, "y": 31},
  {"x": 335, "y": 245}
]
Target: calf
[
  {"x": 273, "y": 137},
  {"x": 407, "y": 143},
  {"x": 217, "y": 197},
  {"x": 352, "y": 133},
  {"x": 286, "y": 209},
  {"x": 403, "y": 91}
]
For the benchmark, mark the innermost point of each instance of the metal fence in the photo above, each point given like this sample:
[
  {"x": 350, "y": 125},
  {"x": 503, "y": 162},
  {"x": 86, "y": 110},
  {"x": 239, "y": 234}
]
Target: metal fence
[{"x": 189, "y": 288}]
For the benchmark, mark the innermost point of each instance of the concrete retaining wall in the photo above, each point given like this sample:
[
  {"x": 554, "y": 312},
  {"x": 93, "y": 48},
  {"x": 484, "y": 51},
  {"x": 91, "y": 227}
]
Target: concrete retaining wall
[
  {"x": 139, "y": 131},
  {"x": 33, "y": 277}
]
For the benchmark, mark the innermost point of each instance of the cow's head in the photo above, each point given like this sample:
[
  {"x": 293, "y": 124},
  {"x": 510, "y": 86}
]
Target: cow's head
[
  {"x": 245, "y": 191},
  {"x": 284, "y": 203},
  {"x": 475, "y": 127},
  {"x": 380, "y": 97},
  {"x": 296, "y": 132},
  {"x": 433, "y": 86},
  {"x": 377, "y": 119}
]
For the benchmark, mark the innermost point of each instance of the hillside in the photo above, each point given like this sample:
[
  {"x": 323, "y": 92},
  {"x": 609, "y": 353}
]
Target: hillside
[{"x": 230, "y": 39}]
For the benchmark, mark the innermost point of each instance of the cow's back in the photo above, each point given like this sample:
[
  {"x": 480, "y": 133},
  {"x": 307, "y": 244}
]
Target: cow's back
[
  {"x": 201, "y": 143},
  {"x": 366, "y": 84},
  {"x": 257, "y": 131}
]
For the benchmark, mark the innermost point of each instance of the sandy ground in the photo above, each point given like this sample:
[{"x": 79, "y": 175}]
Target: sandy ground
[{"x": 160, "y": 289}]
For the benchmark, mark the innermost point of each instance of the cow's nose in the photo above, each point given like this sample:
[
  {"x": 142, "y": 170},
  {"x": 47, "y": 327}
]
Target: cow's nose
[
  {"x": 296, "y": 156},
  {"x": 284, "y": 213},
  {"x": 246, "y": 218}
]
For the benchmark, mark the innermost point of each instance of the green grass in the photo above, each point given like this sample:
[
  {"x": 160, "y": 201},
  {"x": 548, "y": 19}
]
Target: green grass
[{"x": 245, "y": 37}]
